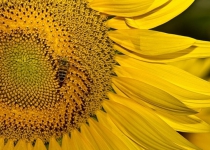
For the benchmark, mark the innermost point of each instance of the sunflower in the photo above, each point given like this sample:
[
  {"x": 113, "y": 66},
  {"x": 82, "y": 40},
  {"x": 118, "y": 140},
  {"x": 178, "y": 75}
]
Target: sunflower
[{"x": 79, "y": 74}]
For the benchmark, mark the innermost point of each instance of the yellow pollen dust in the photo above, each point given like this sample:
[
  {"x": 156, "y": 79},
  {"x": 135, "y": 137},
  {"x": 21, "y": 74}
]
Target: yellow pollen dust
[{"x": 56, "y": 65}]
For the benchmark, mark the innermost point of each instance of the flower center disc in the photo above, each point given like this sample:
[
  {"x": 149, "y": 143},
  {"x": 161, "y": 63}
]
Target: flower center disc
[{"x": 56, "y": 62}]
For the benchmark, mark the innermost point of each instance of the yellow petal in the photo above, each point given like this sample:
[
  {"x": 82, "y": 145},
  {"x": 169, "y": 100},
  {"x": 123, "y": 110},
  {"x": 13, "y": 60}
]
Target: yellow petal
[
  {"x": 79, "y": 142},
  {"x": 66, "y": 142},
  {"x": 110, "y": 140},
  {"x": 160, "y": 15},
  {"x": 121, "y": 23},
  {"x": 1, "y": 143},
  {"x": 156, "y": 4},
  {"x": 39, "y": 145},
  {"x": 96, "y": 139},
  {"x": 189, "y": 53},
  {"x": 122, "y": 8},
  {"x": 117, "y": 23},
  {"x": 9, "y": 145},
  {"x": 21, "y": 145},
  {"x": 145, "y": 74},
  {"x": 90, "y": 137},
  {"x": 142, "y": 125},
  {"x": 118, "y": 91},
  {"x": 147, "y": 42},
  {"x": 54, "y": 144},
  {"x": 191, "y": 90},
  {"x": 201, "y": 43},
  {"x": 191, "y": 124},
  {"x": 29, "y": 146},
  {"x": 200, "y": 66},
  {"x": 158, "y": 98},
  {"x": 104, "y": 119},
  {"x": 202, "y": 140}
]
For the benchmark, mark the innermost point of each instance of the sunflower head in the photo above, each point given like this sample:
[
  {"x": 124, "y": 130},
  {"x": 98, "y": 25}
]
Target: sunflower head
[
  {"x": 61, "y": 77},
  {"x": 56, "y": 63}
]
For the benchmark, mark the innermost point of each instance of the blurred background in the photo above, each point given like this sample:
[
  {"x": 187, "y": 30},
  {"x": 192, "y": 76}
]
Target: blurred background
[{"x": 195, "y": 23}]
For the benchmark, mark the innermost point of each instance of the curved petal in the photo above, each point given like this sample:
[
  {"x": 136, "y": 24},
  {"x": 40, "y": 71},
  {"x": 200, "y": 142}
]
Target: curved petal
[
  {"x": 147, "y": 42},
  {"x": 142, "y": 125},
  {"x": 83, "y": 144},
  {"x": 104, "y": 119},
  {"x": 86, "y": 134},
  {"x": 100, "y": 132},
  {"x": 123, "y": 8},
  {"x": 158, "y": 98},
  {"x": 100, "y": 137},
  {"x": 189, "y": 53},
  {"x": 190, "y": 124},
  {"x": 148, "y": 77},
  {"x": 117, "y": 23},
  {"x": 118, "y": 91},
  {"x": 160, "y": 15},
  {"x": 200, "y": 66},
  {"x": 201, "y": 43},
  {"x": 156, "y": 4},
  {"x": 190, "y": 89}
]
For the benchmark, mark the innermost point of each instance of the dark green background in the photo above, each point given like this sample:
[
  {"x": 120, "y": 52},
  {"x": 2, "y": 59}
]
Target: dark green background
[{"x": 194, "y": 22}]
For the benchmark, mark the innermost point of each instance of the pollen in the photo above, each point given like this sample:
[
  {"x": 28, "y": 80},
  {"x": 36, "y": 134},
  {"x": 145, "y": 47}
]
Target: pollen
[{"x": 56, "y": 65}]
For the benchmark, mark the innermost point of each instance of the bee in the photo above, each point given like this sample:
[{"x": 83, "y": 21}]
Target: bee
[{"x": 63, "y": 67}]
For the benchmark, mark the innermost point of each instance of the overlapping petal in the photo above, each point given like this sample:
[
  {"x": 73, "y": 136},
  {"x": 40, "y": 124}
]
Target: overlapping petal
[
  {"x": 158, "y": 47},
  {"x": 190, "y": 123},
  {"x": 198, "y": 67},
  {"x": 153, "y": 133},
  {"x": 190, "y": 89},
  {"x": 101, "y": 137},
  {"x": 172, "y": 105},
  {"x": 147, "y": 42},
  {"x": 122, "y": 8},
  {"x": 112, "y": 141},
  {"x": 189, "y": 53},
  {"x": 104, "y": 119},
  {"x": 117, "y": 23},
  {"x": 200, "y": 139},
  {"x": 82, "y": 145},
  {"x": 159, "y": 12},
  {"x": 159, "y": 15},
  {"x": 157, "y": 98}
]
